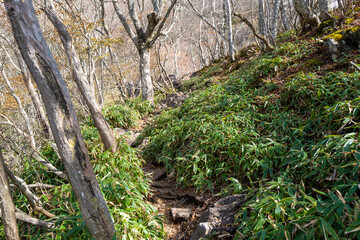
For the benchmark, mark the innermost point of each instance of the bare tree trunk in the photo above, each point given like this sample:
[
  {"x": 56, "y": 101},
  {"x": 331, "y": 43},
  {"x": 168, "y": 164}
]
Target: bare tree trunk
[
  {"x": 20, "y": 215},
  {"x": 144, "y": 37},
  {"x": 201, "y": 54},
  {"x": 62, "y": 117},
  {"x": 307, "y": 14},
  {"x": 192, "y": 59},
  {"x": 99, "y": 81},
  {"x": 176, "y": 55},
  {"x": 228, "y": 17},
  {"x": 262, "y": 24},
  {"x": 274, "y": 20},
  {"x": 7, "y": 205},
  {"x": 147, "y": 89},
  {"x": 88, "y": 95},
  {"x": 31, "y": 135},
  {"x": 340, "y": 3},
  {"x": 284, "y": 18},
  {"x": 218, "y": 40}
]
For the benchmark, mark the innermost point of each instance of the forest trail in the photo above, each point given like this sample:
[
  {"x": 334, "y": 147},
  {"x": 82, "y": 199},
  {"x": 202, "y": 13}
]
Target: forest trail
[{"x": 181, "y": 208}]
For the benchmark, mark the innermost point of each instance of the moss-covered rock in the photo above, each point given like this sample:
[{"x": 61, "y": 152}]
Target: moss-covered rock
[
  {"x": 342, "y": 41},
  {"x": 347, "y": 35},
  {"x": 335, "y": 35}
]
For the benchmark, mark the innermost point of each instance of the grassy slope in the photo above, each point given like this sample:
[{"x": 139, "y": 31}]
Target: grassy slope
[{"x": 283, "y": 128}]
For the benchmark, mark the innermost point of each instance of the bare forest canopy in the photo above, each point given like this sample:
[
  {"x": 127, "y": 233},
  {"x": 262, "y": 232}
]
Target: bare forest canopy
[
  {"x": 109, "y": 58},
  {"x": 80, "y": 79}
]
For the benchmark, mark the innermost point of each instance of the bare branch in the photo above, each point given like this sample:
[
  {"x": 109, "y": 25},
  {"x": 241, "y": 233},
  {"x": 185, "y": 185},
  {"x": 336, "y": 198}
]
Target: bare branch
[
  {"x": 34, "y": 201},
  {"x": 258, "y": 35},
  {"x": 197, "y": 13},
  {"x": 35, "y": 155},
  {"x": 156, "y": 6},
  {"x": 102, "y": 5},
  {"x": 102, "y": 126},
  {"x": 173, "y": 21},
  {"x": 125, "y": 24},
  {"x": 9, "y": 122},
  {"x": 134, "y": 18},
  {"x": 22, "y": 111},
  {"x": 155, "y": 37}
]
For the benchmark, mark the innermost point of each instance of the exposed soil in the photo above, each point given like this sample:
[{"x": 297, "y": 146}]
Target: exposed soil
[{"x": 166, "y": 196}]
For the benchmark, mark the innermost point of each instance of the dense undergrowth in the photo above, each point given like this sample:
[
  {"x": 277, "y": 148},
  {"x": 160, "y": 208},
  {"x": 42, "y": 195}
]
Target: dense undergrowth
[
  {"x": 284, "y": 129},
  {"x": 281, "y": 127},
  {"x": 121, "y": 180}
]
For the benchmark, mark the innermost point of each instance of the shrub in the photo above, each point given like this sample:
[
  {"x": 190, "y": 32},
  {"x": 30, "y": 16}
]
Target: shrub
[
  {"x": 124, "y": 187},
  {"x": 121, "y": 116},
  {"x": 143, "y": 107}
]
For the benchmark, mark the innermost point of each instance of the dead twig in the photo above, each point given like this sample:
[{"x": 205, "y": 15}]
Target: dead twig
[{"x": 356, "y": 66}]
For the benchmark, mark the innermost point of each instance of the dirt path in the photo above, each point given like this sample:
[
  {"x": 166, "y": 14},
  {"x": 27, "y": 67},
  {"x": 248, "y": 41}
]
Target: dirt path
[
  {"x": 189, "y": 215},
  {"x": 181, "y": 208}
]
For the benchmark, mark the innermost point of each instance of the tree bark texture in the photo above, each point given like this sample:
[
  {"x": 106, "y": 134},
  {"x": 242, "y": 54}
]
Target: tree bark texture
[
  {"x": 147, "y": 89},
  {"x": 284, "y": 18},
  {"x": 62, "y": 117},
  {"x": 308, "y": 16},
  {"x": 262, "y": 24},
  {"x": 228, "y": 17},
  {"x": 274, "y": 20},
  {"x": 7, "y": 205},
  {"x": 88, "y": 95}
]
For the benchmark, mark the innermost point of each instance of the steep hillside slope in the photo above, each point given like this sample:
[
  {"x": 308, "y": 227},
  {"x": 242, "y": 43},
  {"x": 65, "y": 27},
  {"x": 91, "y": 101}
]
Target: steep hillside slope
[{"x": 281, "y": 127}]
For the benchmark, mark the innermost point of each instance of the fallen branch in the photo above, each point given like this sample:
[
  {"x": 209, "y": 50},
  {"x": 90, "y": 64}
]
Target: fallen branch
[
  {"x": 258, "y": 35},
  {"x": 35, "y": 185},
  {"x": 7, "y": 205},
  {"x": 20, "y": 215},
  {"x": 34, "y": 201}
]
